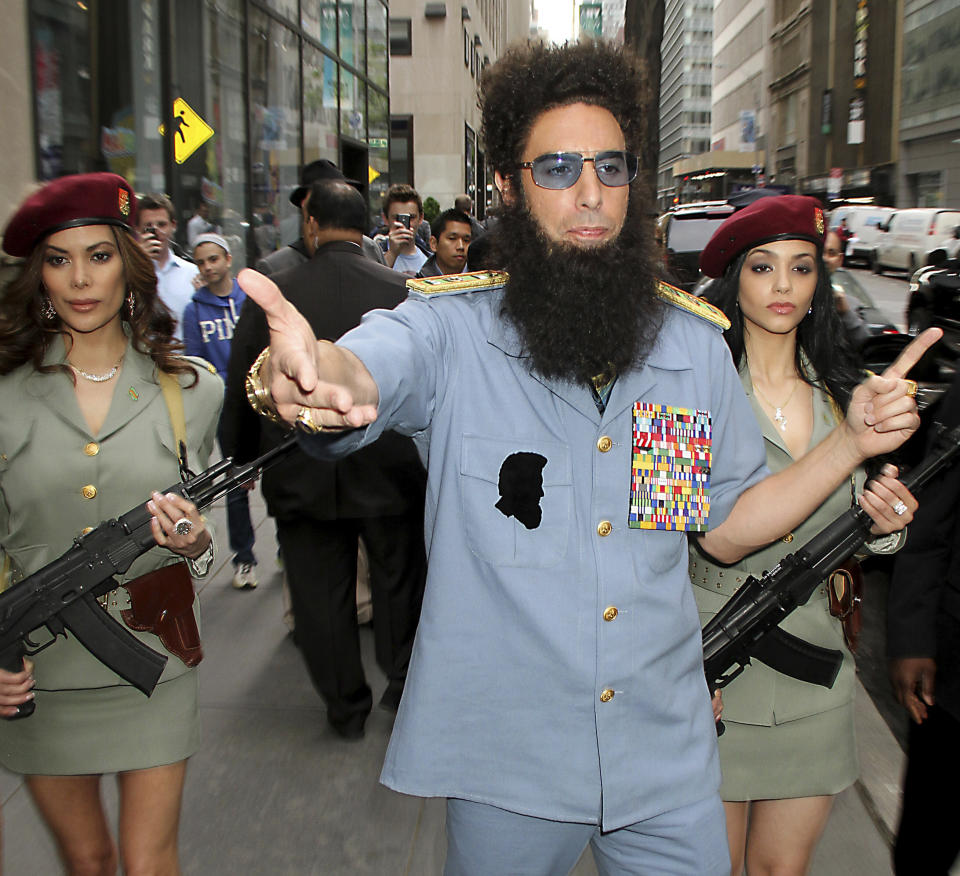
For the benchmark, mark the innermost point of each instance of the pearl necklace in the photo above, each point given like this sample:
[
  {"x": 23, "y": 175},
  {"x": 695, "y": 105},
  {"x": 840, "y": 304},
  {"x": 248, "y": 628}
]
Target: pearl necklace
[
  {"x": 778, "y": 416},
  {"x": 97, "y": 378}
]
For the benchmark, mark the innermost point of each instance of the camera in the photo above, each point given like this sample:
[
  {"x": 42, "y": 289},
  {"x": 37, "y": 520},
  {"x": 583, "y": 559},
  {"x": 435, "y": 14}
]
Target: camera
[
  {"x": 150, "y": 231},
  {"x": 404, "y": 219}
]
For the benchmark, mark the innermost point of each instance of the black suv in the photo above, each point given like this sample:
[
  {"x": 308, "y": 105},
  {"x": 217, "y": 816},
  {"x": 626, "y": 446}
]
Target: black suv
[{"x": 685, "y": 231}]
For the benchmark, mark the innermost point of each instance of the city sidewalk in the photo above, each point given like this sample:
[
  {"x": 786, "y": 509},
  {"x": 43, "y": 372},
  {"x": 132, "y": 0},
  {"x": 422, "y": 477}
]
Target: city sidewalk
[{"x": 273, "y": 791}]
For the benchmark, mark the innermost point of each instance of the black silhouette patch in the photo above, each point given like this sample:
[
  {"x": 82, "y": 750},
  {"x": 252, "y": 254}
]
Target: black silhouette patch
[{"x": 521, "y": 487}]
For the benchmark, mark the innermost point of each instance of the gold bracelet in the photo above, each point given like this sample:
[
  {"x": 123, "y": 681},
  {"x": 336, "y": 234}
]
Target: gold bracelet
[{"x": 257, "y": 394}]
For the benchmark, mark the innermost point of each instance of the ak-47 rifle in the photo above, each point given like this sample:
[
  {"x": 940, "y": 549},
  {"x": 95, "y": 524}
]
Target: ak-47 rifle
[
  {"x": 62, "y": 596},
  {"x": 748, "y": 622}
]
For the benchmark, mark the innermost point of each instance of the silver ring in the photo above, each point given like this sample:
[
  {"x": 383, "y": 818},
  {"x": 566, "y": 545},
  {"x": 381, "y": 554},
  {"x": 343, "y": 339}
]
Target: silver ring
[
  {"x": 900, "y": 508},
  {"x": 183, "y": 526}
]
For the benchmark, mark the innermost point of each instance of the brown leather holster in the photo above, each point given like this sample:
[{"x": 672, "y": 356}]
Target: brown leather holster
[{"x": 161, "y": 602}]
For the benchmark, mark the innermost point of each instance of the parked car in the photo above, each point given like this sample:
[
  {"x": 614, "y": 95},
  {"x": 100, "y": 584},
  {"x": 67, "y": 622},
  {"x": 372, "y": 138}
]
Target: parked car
[
  {"x": 684, "y": 232},
  {"x": 863, "y": 224},
  {"x": 934, "y": 300},
  {"x": 910, "y": 236},
  {"x": 873, "y": 318}
]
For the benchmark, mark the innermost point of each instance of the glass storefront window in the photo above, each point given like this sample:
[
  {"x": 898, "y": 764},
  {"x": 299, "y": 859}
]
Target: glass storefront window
[
  {"x": 377, "y": 44},
  {"x": 352, "y": 106},
  {"x": 284, "y": 7},
  {"x": 222, "y": 186},
  {"x": 319, "y": 106},
  {"x": 274, "y": 132},
  {"x": 353, "y": 46},
  {"x": 319, "y": 20},
  {"x": 378, "y": 131}
]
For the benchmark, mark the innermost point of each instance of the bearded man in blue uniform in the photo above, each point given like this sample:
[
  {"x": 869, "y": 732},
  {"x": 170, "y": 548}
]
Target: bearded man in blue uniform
[{"x": 578, "y": 424}]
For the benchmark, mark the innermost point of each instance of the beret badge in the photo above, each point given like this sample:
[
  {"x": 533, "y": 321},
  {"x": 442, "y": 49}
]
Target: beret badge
[
  {"x": 123, "y": 201},
  {"x": 818, "y": 219}
]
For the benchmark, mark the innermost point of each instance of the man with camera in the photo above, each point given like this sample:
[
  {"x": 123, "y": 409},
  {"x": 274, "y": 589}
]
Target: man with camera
[
  {"x": 155, "y": 226},
  {"x": 403, "y": 251}
]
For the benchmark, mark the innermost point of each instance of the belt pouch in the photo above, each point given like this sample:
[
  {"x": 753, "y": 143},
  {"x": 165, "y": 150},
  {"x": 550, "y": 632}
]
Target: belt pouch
[{"x": 161, "y": 602}]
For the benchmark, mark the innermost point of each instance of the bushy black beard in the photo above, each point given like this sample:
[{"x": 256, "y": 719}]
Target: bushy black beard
[{"x": 581, "y": 312}]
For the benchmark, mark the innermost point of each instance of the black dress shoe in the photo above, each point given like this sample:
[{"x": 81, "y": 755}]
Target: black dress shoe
[
  {"x": 390, "y": 701},
  {"x": 351, "y": 730}
]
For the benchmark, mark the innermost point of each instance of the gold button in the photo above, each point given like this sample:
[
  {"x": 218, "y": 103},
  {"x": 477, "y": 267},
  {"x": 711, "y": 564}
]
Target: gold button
[
  {"x": 788, "y": 537},
  {"x": 604, "y": 444},
  {"x": 610, "y": 613},
  {"x": 89, "y": 491},
  {"x": 604, "y": 527},
  {"x": 91, "y": 449},
  {"x": 86, "y": 530},
  {"x": 606, "y": 695}
]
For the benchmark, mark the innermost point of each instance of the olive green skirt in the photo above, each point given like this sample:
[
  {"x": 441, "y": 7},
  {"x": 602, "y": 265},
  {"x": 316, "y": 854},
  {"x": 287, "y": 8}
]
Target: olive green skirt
[
  {"x": 809, "y": 757},
  {"x": 104, "y": 730}
]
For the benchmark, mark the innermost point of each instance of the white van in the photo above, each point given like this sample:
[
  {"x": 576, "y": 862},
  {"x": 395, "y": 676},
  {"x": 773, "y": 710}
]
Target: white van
[
  {"x": 863, "y": 223},
  {"x": 911, "y": 235}
]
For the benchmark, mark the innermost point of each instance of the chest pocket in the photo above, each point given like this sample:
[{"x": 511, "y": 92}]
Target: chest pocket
[{"x": 517, "y": 500}]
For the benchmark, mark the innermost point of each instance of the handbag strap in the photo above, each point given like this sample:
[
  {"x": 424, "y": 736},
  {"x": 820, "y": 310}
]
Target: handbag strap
[{"x": 173, "y": 397}]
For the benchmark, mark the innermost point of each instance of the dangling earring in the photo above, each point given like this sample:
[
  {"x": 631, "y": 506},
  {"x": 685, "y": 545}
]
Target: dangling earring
[
  {"x": 810, "y": 310},
  {"x": 47, "y": 310},
  {"x": 131, "y": 303}
]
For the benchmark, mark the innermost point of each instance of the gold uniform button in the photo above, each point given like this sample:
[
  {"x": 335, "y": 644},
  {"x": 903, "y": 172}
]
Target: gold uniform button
[
  {"x": 788, "y": 538},
  {"x": 604, "y": 444},
  {"x": 610, "y": 613},
  {"x": 606, "y": 695},
  {"x": 604, "y": 527},
  {"x": 86, "y": 530},
  {"x": 89, "y": 491},
  {"x": 91, "y": 449}
]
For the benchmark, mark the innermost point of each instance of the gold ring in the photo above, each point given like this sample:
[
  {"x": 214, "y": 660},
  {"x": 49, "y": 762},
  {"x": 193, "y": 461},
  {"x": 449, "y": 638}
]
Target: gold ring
[
  {"x": 912, "y": 388},
  {"x": 305, "y": 421}
]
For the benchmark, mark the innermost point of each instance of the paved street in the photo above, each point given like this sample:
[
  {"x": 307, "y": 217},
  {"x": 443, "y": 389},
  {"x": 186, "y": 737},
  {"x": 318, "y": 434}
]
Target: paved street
[
  {"x": 272, "y": 791},
  {"x": 889, "y": 292}
]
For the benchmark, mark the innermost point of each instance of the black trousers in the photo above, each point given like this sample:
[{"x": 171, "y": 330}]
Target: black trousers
[
  {"x": 320, "y": 559},
  {"x": 928, "y": 840}
]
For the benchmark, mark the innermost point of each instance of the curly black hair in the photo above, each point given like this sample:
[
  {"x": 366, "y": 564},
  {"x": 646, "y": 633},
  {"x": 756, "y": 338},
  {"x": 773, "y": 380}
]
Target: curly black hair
[{"x": 532, "y": 78}]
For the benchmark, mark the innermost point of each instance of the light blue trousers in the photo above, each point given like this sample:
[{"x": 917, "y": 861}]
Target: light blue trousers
[{"x": 483, "y": 840}]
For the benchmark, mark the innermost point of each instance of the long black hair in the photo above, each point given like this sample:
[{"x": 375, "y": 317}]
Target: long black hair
[{"x": 820, "y": 335}]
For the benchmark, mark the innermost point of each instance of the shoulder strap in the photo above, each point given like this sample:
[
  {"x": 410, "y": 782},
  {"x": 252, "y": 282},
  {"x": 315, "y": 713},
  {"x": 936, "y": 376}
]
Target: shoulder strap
[{"x": 173, "y": 396}]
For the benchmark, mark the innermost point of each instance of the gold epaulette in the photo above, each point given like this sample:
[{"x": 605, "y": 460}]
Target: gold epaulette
[
  {"x": 455, "y": 284},
  {"x": 692, "y": 304}
]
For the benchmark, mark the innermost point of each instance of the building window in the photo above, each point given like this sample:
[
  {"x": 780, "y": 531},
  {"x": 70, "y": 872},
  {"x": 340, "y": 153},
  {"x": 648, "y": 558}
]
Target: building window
[
  {"x": 401, "y": 42},
  {"x": 401, "y": 149}
]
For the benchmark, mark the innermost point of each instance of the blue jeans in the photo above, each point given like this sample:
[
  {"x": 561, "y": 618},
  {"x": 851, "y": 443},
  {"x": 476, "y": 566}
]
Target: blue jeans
[{"x": 239, "y": 525}]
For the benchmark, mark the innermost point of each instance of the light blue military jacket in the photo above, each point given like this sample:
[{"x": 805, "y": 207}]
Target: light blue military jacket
[{"x": 557, "y": 670}]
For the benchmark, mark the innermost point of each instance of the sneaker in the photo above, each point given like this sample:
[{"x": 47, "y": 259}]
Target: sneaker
[{"x": 244, "y": 576}]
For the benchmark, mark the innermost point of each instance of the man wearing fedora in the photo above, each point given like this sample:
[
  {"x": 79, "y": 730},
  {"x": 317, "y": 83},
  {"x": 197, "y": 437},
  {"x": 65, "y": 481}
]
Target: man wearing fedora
[{"x": 300, "y": 250}]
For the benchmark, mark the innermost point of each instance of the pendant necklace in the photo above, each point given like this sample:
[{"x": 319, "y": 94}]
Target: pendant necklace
[
  {"x": 778, "y": 416},
  {"x": 97, "y": 378}
]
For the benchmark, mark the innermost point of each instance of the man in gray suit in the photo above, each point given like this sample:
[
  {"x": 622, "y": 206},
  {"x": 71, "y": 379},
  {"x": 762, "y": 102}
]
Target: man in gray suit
[{"x": 301, "y": 249}]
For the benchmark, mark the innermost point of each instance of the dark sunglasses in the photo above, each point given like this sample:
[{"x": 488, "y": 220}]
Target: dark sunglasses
[{"x": 560, "y": 170}]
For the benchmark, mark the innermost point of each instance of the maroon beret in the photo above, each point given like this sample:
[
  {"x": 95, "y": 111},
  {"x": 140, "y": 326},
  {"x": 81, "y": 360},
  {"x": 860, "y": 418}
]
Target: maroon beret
[
  {"x": 788, "y": 217},
  {"x": 80, "y": 199}
]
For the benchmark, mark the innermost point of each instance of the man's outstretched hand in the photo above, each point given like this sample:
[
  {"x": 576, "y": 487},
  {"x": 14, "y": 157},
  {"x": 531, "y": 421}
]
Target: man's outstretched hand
[
  {"x": 304, "y": 372},
  {"x": 881, "y": 415}
]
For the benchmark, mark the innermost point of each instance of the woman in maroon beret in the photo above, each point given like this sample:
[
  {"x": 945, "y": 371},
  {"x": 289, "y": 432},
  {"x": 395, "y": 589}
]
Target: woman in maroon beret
[
  {"x": 87, "y": 361},
  {"x": 789, "y": 744}
]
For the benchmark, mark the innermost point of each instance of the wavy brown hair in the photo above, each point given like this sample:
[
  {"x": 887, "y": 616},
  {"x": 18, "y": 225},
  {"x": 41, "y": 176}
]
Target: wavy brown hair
[{"x": 25, "y": 336}]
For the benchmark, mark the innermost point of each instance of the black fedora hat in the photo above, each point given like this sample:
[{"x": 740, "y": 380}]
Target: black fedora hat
[{"x": 322, "y": 168}]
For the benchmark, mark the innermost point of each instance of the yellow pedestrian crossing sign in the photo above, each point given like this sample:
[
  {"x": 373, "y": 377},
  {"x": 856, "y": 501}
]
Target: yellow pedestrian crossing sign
[{"x": 190, "y": 131}]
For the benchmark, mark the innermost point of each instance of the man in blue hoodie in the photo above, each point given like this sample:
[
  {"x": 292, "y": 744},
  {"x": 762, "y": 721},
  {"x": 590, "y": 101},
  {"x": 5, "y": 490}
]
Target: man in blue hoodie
[{"x": 208, "y": 323}]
